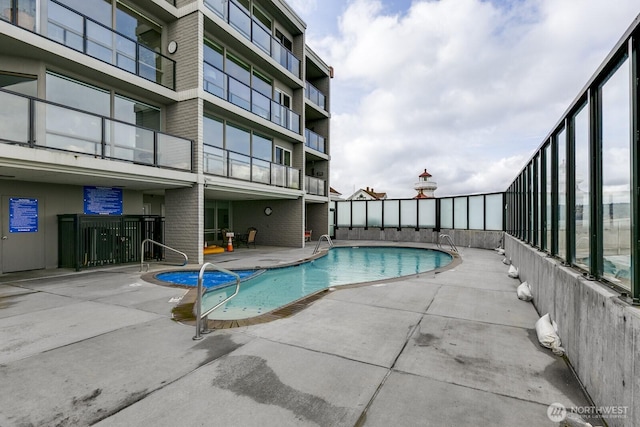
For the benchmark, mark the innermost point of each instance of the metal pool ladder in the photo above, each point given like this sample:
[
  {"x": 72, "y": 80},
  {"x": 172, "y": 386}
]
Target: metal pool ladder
[
  {"x": 325, "y": 236},
  {"x": 447, "y": 239},
  {"x": 201, "y": 327}
]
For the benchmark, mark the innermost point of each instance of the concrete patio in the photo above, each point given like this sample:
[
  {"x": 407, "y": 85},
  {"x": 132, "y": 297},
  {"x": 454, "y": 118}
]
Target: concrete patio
[{"x": 450, "y": 349}]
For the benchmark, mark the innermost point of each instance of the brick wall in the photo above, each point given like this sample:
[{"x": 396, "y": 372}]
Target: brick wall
[
  {"x": 284, "y": 227},
  {"x": 184, "y": 219}
]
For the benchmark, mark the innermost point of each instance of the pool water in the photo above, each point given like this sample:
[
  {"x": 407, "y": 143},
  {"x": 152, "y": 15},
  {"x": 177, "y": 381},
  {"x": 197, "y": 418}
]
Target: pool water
[
  {"x": 211, "y": 279},
  {"x": 341, "y": 266}
]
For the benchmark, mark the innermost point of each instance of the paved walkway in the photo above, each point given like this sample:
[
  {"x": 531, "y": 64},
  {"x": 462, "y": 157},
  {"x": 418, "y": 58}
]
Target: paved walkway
[{"x": 450, "y": 349}]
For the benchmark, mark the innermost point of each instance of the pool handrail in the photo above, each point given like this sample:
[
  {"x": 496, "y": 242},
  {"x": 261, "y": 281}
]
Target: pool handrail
[
  {"x": 447, "y": 239},
  {"x": 186, "y": 258},
  {"x": 317, "y": 248},
  {"x": 201, "y": 327}
]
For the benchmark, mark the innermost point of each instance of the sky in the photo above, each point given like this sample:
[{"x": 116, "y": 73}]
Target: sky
[{"x": 466, "y": 89}]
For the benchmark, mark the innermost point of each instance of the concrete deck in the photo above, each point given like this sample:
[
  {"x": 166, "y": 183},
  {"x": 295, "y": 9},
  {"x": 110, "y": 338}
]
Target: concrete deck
[{"x": 450, "y": 349}]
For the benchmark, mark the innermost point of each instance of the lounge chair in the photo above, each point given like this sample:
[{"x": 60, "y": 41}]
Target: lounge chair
[{"x": 249, "y": 238}]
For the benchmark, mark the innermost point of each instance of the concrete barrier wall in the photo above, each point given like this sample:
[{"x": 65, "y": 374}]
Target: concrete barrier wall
[
  {"x": 600, "y": 332},
  {"x": 473, "y": 238}
]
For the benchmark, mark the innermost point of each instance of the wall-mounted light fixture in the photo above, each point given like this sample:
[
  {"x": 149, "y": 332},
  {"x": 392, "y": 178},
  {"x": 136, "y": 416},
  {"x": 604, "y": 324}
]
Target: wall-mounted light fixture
[{"x": 172, "y": 46}]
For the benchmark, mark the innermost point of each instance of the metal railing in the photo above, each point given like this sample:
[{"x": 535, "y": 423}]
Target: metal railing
[
  {"x": 201, "y": 327},
  {"x": 315, "y": 141},
  {"x": 448, "y": 240},
  {"x": 223, "y": 85},
  {"x": 315, "y": 186},
  {"x": 327, "y": 238},
  {"x": 39, "y": 123},
  {"x": 315, "y": 95},
  {"x": 186, "y": 258}
]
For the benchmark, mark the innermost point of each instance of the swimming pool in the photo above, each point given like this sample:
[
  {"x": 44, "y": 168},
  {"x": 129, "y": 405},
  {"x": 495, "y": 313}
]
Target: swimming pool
[{"x": 277, "y": 287}]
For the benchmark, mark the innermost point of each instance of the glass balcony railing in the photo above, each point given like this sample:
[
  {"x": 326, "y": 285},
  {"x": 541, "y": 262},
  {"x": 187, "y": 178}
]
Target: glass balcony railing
[
  {"x": 240, "y": 19},
  {"x": 222, "y": 85},
  {"x": 41, "y": 124},
  {"x": 74, "y": 30},
  {"x": 314, "y": 95},
  {"x": 315, "y": 186},
  {"x": 218, "y": 161},
  {"x": 315, "y": 141}
]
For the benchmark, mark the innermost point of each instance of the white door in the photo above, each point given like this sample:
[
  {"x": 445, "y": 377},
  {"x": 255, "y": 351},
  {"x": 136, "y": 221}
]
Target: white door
[{"x": 22, "y": 240}]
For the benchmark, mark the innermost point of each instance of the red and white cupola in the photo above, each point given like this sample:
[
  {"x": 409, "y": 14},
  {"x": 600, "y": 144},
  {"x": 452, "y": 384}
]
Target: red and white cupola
[{"x": 425, "y": 187}]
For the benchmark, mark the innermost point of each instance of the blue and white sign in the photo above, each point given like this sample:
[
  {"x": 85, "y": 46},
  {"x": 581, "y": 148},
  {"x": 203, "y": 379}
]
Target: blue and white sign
[
  {"x": 23, "y": 215},
  {"x": 102, "y": 201}
]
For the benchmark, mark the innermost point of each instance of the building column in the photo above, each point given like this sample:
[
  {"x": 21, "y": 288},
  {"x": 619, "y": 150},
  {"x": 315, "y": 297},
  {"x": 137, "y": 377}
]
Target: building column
[{"x": 184, "y": 223}]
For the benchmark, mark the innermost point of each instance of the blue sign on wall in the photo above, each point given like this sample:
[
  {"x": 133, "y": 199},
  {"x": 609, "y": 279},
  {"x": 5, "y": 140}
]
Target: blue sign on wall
[
  {"x": 102, "y": 201},
  {"x": 23, "y": 215}
]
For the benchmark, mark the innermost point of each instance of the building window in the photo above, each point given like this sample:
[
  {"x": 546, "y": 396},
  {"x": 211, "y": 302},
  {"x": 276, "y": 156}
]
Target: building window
[{"x": 283, "y": 156}]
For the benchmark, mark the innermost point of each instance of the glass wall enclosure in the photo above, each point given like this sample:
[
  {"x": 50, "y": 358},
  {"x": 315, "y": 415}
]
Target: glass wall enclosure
[
  {"x": 477, "y": 212},
  {"x": 122, "y": 37},
  {"x": 315, "y": 186},
  {"x": 231, "y": 79},
  {"x": 42, "y": 124},
  {"x": 586, "y": 171},
  {"x": 255, "y": 25},
  {"x": 233, "y": 152}
]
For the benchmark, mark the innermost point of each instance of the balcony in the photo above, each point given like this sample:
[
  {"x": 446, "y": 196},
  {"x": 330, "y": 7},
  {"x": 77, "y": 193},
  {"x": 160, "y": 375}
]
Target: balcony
[
  {"x": 223, "y": 86},
  {"x": 40, "y": 124},
  {"x": 315, "y": 186},
  {"x": 240, "y": 19},
  {"x": 315, "y": 141},
  {"x": 314, "y": 95},
  {"x": 229, "y": 164},
  {"x": 78, "y": 32}
]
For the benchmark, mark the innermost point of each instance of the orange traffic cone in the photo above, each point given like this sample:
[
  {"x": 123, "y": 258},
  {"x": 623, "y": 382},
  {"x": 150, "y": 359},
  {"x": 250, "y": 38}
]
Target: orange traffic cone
[{"x": 230, "y": 244}]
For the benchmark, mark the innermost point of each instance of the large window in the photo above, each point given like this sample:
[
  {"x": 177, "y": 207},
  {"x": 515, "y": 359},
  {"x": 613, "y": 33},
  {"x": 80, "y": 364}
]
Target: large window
[
  {"x": 238, "y": 140},
  {"x": 72, "y": 93},
  {"x": 135, "y": 112},
  {"x": 616, "y": 177}
]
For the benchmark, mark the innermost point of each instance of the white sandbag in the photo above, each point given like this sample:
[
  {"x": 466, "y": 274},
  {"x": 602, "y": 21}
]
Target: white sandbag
[
  {"x": 548, "y": 335},
  {"x": 506, "y": 261},
  {"x": 524, "y": 292},
  {"x": 513, "y": 272},
  {"x": 500, "y": 251}
]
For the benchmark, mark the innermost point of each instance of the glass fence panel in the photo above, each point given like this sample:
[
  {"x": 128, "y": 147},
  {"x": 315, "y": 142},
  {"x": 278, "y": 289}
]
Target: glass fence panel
[
  {"x": 460, "y": 212},
  {"x": 261, "y": 171},
  {"x": 72, "y": 130},
  {"x": 359, "y": 213},
  {"x": 293, "y": 178},
  {"x": 218, "y": 6},
  {"x": 261, "y": 105},
  {"x": 494, "y": 211},
  {"x": 343, "y": 214},
  {"x": 239, "y": 94},
  {"x": 446, "y": 213},
  {"x": 261, "y": 38},
  {"x": 128, "y": 142},
  {"x": 215, "y": 161},
  {"x": 427, "y": 213},
  {"x": 65, "y": 26},
  {"x": 239, "y": 166},
  {"x": 391, "y": 213},
  {"x": 278, "y": 175},
  {"x": 549, "y": 204},
  {"x": 174, "y": 152},
  {"x": 583, "y": 192},
  {"x": 409, "y": 213},
  {"x": 14, "y": 111},
  {"x": 99, "y": 42},
  {"x": 215, "y": 81},
  {"x": 374, "y": 213},
  {"x": 616, "y": 177},
  {"x": 239, "y": 20},
  {"x": 562, "y": 194},
  {"x": 476, "y": 212},
  {"x": 125, "y": 54}
]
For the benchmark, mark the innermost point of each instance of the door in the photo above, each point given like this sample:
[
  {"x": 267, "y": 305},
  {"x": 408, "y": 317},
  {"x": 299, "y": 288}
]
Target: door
[{"x": 22, "y": 241}]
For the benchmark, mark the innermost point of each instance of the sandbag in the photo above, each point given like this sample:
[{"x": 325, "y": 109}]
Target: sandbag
[
  {"x": 513, "y": 272},
  {"x": 524, "y": 292},
  {"x": 506, "y": 261},
  {"x": 548, "y": 335},
  {"x": 500, "y": 251}
]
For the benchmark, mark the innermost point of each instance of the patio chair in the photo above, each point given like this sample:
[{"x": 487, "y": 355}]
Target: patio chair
[
  {"x": 307, "y": 235},
  {"x": 249, "y": 238}
]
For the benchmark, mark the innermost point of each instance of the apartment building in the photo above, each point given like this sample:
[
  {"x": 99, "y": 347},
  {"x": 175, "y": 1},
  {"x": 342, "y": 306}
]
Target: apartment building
[{"x": 212, "y": 115}]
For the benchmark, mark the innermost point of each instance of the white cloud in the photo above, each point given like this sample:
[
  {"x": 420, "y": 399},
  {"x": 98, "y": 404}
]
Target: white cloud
[{"x": 465, "y": 88}]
